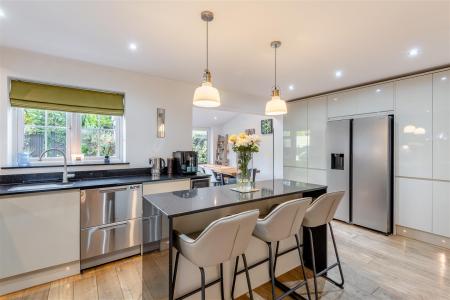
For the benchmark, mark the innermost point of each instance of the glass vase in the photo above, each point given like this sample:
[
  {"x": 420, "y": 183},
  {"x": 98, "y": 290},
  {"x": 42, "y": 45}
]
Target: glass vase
[{"x": 244, "y": 163}]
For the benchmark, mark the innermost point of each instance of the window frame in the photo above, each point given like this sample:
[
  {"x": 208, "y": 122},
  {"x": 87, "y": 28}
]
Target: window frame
[
  {"x": 208, "y": 145},
  {"x": 73, "y": 139}
]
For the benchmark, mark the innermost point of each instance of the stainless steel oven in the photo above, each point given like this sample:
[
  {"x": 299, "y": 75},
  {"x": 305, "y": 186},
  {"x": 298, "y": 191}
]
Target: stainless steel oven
[
  {"x": 200, "y": 183},
  {"x": 112, "y": 225}
]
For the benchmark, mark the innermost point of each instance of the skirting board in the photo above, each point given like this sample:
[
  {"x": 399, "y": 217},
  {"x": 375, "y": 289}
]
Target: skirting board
[
  {"x": 23, "y": 281},
  {"x": 430, "y": 238}
]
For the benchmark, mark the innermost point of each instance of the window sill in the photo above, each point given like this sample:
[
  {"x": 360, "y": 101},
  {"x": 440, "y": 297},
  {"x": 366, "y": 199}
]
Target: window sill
[{"x": 59, "y": 165}]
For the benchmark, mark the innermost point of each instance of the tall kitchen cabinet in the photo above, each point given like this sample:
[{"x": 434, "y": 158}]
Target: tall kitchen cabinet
[
  {"x": 304, "y": 141},
  {"x": 414, "y": 152},
  {"x": 441, "y": 153}
]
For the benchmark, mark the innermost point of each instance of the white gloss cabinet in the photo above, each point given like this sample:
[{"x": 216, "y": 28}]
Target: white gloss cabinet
[
  {"x": 414, "y": 124},
  {"x": 441, "y": 126},
  {"x": 317, "y": 127},
  {"x": 317, "y": 176},
  {"x": 295, "y": 135},
  {"x": 39, "y": 231},
  {"x": 415, "y": 203},
  {"x": 366, "y": 100},
  {"x": 295, "y": 174},
  {"x": 441, "y": 208}
]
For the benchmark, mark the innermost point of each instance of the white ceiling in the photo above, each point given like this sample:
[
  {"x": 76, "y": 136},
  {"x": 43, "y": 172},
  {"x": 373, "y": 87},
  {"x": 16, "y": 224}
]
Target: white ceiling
[
  {"x": 204, "y": 118},
  {"x": 367, "y": 40}
]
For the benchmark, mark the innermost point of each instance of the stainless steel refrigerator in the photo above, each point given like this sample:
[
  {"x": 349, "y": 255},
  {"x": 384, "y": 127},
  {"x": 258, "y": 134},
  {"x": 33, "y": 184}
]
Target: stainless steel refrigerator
[{"x": 360, "y": 162}]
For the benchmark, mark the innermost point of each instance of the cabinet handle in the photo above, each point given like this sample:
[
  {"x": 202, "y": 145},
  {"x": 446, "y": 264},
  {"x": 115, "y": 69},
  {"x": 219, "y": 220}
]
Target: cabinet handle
[
  {"x": 112, "y": 190},
  {"x": 112, "y": 226}
]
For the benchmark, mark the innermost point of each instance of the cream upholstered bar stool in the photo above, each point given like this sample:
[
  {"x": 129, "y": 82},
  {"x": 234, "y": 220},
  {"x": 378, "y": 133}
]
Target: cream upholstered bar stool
[
  {"x": 222, "y": 240},
  {"x": 282, "y": 223},
  {"x": 321, "y": 212}
]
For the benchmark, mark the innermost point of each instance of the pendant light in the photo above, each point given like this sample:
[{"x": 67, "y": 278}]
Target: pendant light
[
  {"x": 276, "y": 106},
  {"x": 206, "y": 95}
]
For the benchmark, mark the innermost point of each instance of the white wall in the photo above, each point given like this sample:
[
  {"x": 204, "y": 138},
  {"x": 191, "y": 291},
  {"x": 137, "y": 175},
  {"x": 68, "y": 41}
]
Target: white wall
[
  {"x": 144, "y": 93},
  {"x": 263, "y": 159}
]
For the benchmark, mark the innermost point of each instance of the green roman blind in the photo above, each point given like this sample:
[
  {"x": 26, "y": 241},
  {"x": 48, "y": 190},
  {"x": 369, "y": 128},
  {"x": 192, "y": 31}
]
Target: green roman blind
[{"x": 43, "y": 96}]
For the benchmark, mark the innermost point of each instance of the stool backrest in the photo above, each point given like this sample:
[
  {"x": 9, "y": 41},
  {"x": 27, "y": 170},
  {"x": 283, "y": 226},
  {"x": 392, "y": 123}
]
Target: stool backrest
[
  {"x": 285, "y": 220},
  {"x": 224, "y": 239},
  {"x": 322, "y": 210}
]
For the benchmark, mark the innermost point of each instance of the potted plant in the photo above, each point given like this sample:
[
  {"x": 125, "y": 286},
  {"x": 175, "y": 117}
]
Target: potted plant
[{"x": 244, "y": 146}]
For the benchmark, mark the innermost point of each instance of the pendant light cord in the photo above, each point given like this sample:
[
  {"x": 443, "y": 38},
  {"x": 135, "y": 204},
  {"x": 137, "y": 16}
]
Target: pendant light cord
[
  {"x": 275, "y": 67},
  {"x": 207, "y": 44}
]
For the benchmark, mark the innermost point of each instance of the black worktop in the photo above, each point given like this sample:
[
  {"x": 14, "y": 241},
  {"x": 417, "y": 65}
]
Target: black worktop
[
  {"x": 83, "y": 180},
  {"x": 181, "y": 203}
]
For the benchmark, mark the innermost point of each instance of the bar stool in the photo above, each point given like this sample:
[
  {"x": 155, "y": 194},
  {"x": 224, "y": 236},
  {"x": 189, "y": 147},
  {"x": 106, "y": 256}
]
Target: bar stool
[
  {"x": 321, "y": 212},
  {"x": 282, "y": 223},
  {"x": 222, "y": 240}
]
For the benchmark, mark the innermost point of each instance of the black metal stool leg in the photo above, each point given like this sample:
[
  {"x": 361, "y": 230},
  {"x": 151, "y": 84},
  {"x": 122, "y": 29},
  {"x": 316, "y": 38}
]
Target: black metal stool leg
[
  {"x": 302, "y": 266},
  {"x": 341, "y": 285},
  {"x": 234, "y": 276},
  {"x": 316, "y": 293},
  {"x": 271, "y": 273},
  {"x": 222, "y": 294},
  {"x": 177, "y": 257},
  {"x": 202, "y": 273},
  {"x": 249, "y": 285}
]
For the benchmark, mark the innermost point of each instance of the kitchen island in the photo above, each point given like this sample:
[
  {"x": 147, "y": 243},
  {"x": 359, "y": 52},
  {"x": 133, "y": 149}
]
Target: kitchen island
[{"x": 192, "y": 210}]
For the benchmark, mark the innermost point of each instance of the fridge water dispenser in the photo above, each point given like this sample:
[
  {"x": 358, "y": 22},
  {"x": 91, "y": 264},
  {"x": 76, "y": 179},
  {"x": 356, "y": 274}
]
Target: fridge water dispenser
[{"x": 337, "y": 161}]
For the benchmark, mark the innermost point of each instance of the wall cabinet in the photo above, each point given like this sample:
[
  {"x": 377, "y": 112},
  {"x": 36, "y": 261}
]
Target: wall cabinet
[
  {"x": 372, "y": 99},
  {"x": 441, "y": 126},
  {"x": 317, "y": 127},
  {"x": 414, "y": 124},
  {"x": 38, "y": 231},
  {"x": 441, "y": 208},
  {"x": 415, "y": 203},
  {"x": 295, "y": 135}
]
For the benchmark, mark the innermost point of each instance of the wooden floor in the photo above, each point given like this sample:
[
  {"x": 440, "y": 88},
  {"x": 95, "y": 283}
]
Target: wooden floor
[{"x": 375, "y": 267}]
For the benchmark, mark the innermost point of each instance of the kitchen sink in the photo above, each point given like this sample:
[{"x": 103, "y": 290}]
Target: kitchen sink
[{"x": 41, "y": 186}]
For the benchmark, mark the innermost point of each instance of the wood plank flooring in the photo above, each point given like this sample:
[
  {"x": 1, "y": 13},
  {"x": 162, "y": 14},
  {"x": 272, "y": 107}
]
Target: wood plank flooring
[{"x": 375, "y": 267}]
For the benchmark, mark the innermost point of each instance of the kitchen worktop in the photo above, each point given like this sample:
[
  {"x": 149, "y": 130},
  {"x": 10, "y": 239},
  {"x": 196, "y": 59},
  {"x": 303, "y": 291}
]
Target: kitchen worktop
[
  {"x": 86, "y": 183},
  {"x": 180, "y": 203}
]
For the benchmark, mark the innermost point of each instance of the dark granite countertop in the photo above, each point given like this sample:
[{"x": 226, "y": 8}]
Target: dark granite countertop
[
  {"x": 180, "y": 203},
  {"x": 22, "y": 188}
]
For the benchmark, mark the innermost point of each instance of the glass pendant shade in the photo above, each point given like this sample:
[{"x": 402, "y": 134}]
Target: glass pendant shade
[
  {"x": 206, "y": 95},
  {"x": 276, "y": 107}
]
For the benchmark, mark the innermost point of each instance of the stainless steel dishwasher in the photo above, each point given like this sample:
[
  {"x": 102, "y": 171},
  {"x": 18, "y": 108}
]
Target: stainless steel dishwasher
[{"x": 111, "y": 224}]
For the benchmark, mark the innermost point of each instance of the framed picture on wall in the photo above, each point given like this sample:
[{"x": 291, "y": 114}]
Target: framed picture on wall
[
  {"x": 250, "y": 131},
  {"x": 267, "y": 126}
]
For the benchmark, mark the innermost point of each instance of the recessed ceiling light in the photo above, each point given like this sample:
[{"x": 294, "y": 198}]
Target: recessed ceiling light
[
  {"x": 378, "y": 90},
  {"x": 215, "y": 118},
  {"x": 291, "y": 87},
  {"x": 132, "y": 46},
  {"x": 413, "y": 52},
  {"x": 338, "y": 73},
  {"x": 2, "y": 13},
  {"x": 443, "y": 78}
]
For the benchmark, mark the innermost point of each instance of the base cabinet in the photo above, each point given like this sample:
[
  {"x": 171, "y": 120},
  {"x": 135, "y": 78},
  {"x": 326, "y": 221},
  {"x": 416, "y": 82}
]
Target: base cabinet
[
  {"x": 441, "y": 208},
  {"x": 39, "y": 231},
  {"x": 415, "y": 203}
]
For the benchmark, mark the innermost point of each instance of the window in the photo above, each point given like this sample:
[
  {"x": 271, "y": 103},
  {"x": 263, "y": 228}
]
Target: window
[
  {"x": 94, "y": 136},
  {"x": 200, "y": 144}
]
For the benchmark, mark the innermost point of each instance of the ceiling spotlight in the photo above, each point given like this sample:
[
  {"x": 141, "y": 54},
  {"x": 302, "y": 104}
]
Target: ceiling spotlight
[
  {"x": 413, "y": 52},
  {"x": 378, "y": 90},
  {"x": 132, "y": 46},
  {"x": 2, "y": 13},
  {"x": 291, "y": 87},
  {"x": 338, "y": 73},
  {"x": 215, "y": 118},
  {"x": 443, "y": 78}
]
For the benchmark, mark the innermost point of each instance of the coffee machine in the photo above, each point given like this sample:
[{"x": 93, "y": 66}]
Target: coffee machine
[{"x": 186, "y": 162}]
